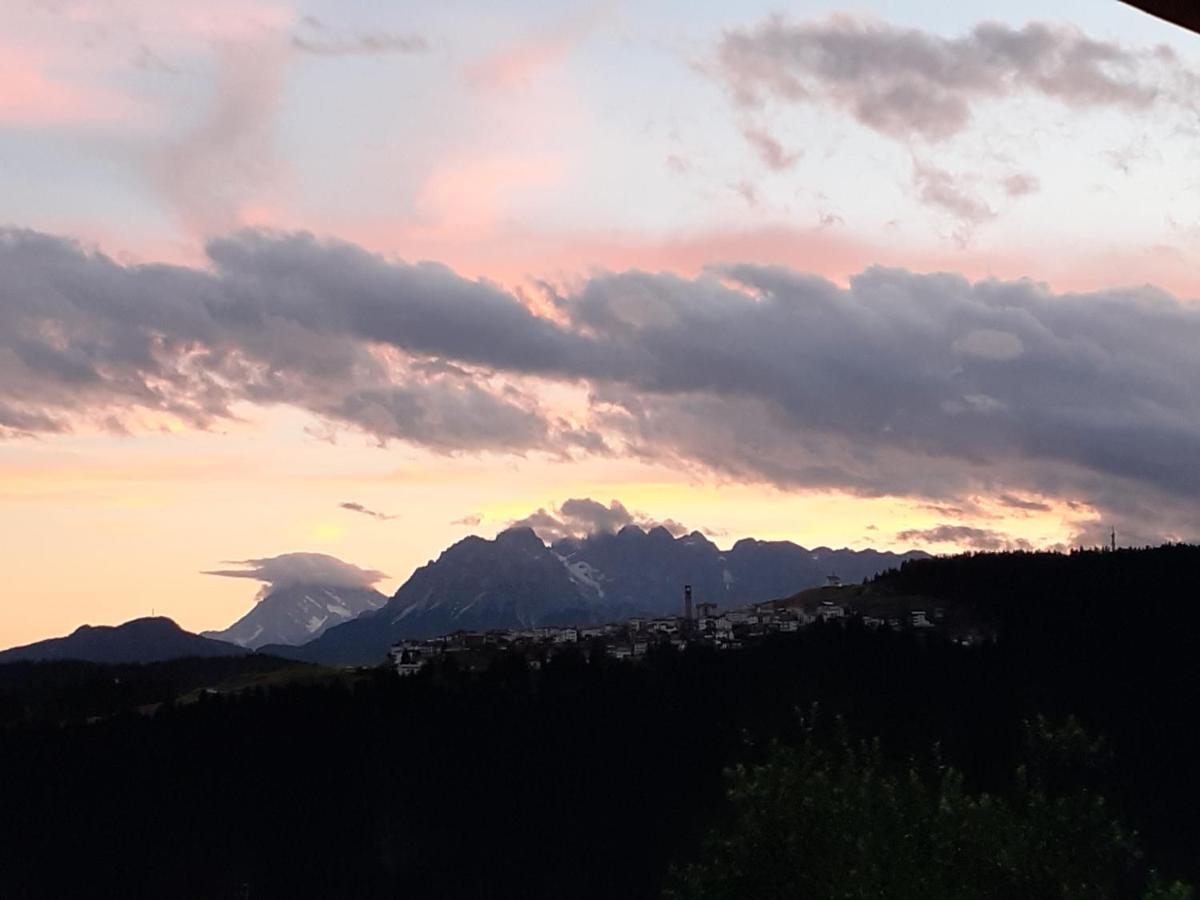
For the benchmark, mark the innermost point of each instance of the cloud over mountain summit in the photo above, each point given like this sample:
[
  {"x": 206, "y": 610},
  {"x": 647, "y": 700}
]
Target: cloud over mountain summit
[
  {"x": 291, "y": 569},
  {"x": 583, "y": 516}
]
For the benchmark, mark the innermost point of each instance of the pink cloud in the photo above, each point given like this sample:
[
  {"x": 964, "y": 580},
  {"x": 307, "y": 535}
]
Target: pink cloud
[
  {"x": 518, "y": 64},
  {"x": 68, "y": 63},
  {"x": 514, "y": 255},
  {"x": 469, "y": 196},
  {"x": 33, "y": 95},
  {"x": 180, "y": 21}
]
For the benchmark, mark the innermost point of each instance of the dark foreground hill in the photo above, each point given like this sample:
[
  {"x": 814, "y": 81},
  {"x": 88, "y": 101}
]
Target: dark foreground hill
[
  {"x": 151, "y": 639},
  {"x": 589, "y": 779},
  {"x": 518, "y": 581},
  {"x": 72, "y": 691}
]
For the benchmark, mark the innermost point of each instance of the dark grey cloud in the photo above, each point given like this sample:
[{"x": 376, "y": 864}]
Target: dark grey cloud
[
  {"x": 747, "y": 192},
  {"x": 769, "y": 149},
  {"x": 907, "y": 83},
  {"x": 547, "y": 525},
  {"x": 677, "y": 164},
  {"x": 319, "y": 39},
  {"x": 1023, "y": 504},
  {"x": 928, "y": 386},
  {"x": 442, "y": 414},
  {"x": 948, "y": 193},
  {"x": 943, "y": 509},
  {"x": 595, "y": 515},
  {"x": 581, "y": 516},
  {"x": 425, "y": 309},
  {"x": 290, "y": 569},
  {"x": 1021, "y": 184},
  {"x": 1134, "y": 153},
  {"x": 963, "y": 536},
  {"x": 826, "y": 219},
  {"x": 351, "y": 506},
  {"x": 149, "y": 61}
]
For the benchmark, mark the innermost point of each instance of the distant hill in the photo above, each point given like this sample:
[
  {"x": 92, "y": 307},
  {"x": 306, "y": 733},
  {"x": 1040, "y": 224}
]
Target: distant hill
[
  {"x": 1033, "y": 595},
  {"x": 297, "y": 613},
  {"x": 517, "y": 580},
  {"x": 151, "y": 639}
]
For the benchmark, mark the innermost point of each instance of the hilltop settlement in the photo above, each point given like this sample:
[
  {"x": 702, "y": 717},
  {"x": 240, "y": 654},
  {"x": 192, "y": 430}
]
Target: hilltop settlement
[{"x": 697, "y": 624}]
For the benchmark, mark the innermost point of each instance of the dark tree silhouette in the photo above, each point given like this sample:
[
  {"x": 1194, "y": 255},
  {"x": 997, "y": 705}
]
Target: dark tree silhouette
[{"x": 587, "y": 779}]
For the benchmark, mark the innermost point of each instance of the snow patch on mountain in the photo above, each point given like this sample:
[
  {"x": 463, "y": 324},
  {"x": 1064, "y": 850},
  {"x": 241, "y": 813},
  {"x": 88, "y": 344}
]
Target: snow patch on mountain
[
  {"x": 295, "y": 614},
  {"x": 583, "y": 574}
]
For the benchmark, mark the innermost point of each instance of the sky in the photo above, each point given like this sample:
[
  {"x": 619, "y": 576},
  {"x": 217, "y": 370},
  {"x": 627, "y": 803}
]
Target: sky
[{"x": 362, "y": 279}]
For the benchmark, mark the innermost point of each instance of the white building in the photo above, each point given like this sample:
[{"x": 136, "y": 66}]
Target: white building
[{"x": 830, "y": 610}]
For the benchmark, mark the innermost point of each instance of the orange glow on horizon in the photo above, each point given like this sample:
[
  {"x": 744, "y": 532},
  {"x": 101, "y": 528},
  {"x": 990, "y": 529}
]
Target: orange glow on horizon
[{"x": 150, "y": 522}]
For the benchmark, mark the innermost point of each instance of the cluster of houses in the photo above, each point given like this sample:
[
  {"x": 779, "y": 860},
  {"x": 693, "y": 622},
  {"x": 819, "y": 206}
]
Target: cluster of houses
[{"x": 728, "y": 630}]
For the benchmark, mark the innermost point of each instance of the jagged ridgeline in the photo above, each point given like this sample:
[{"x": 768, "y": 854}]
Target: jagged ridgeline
[{"x": 517, "y": 580}]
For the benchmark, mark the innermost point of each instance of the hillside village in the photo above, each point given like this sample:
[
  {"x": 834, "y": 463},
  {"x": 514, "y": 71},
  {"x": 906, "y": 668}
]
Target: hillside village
[{"x": 702, "y": 625}]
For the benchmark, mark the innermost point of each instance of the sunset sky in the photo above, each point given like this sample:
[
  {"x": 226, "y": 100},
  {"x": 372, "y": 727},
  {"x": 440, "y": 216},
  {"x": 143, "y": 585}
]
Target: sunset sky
[{"x": 362, "y": 279}]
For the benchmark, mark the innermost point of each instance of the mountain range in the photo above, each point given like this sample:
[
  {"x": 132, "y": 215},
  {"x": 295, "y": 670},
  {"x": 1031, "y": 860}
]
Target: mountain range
[
  {"x": 513, "y": 581},
  {"x": 517, "y": 580},
  {"x": 297, "y": 613}
]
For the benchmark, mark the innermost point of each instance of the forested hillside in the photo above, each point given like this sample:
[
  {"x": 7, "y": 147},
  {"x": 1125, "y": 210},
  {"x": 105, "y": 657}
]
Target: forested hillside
[{"x": 595, "y": 778}]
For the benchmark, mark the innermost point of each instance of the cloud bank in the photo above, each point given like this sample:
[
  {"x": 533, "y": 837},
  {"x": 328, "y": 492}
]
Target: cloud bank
[{"x": 928, "y": 386}]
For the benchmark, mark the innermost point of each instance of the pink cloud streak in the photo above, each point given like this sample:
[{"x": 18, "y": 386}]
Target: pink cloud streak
[
  {"x": 32, "y": 97},
  {"x": 516, "y": 65}
]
